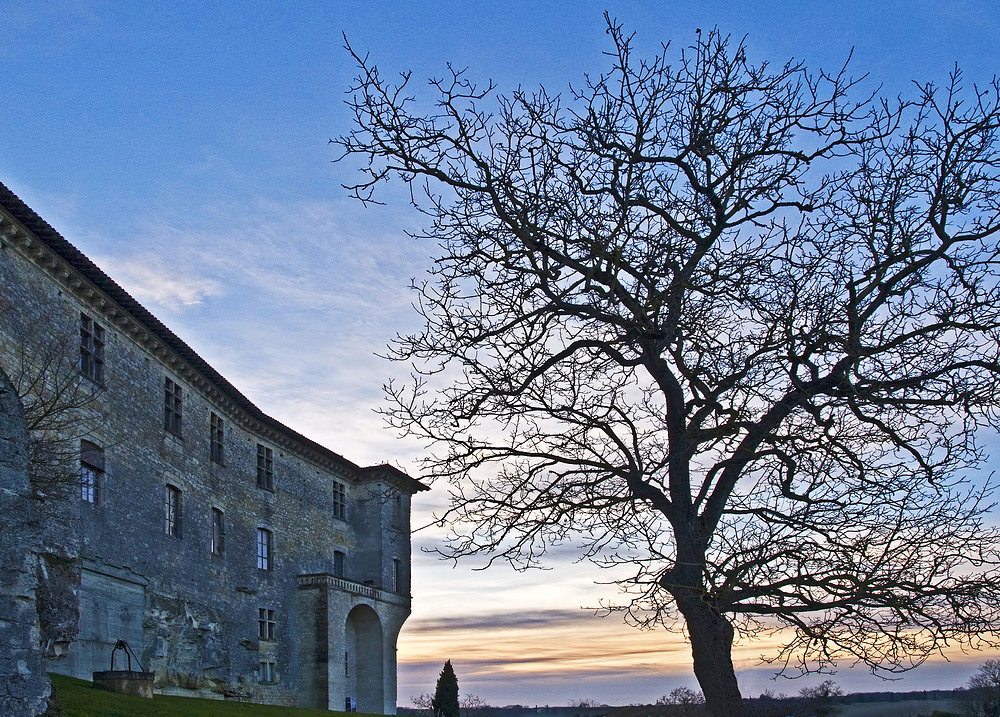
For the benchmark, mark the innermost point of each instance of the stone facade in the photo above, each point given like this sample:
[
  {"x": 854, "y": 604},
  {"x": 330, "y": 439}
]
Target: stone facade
[{"x": 234, "y": 555}]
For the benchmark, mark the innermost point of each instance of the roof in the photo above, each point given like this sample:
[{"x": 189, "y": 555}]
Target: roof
[{"x": 94, "y": 274}]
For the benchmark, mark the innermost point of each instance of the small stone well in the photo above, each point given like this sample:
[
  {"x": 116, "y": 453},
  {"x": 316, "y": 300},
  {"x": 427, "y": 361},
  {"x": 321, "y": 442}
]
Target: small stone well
[{"x": 127, "y": 682}]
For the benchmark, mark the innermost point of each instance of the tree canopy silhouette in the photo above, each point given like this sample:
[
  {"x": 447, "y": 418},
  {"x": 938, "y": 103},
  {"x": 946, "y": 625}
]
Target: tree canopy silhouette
[{"x": 720, "y": 322}]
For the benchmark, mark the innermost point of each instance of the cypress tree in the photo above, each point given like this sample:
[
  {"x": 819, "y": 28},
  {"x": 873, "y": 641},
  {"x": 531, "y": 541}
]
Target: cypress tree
[{"x": 445, "y": 702}]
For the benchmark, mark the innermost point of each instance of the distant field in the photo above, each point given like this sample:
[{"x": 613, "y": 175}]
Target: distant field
[
  {"x": 897, "y": 709},
  {"x": 77, "y": 698}
]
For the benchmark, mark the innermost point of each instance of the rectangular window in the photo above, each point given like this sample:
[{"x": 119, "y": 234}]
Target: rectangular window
[
  {"x": 218, "y": 531},
  {"x": 218, "y": 437},
  {"x": 397, "y": 510},
  {"x": 265, "y": 467},
  {"x": 172, "y": 404},
  {"x": 265, "y": 623},
  {"x": 264, "y": 548},
  {"x": 338, "y": 563},
  {"x": 91, "y": 471},
  {"x": 339, "y": 500},
  {"x": 266, "y": 672},
  {"x": 397, "y": 575},
  {"x": 91, "y": 349},
  {"x": 172, "y": 512}
]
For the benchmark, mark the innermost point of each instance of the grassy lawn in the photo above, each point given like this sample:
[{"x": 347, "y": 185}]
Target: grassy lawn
[{"x": 77, "y": 698}]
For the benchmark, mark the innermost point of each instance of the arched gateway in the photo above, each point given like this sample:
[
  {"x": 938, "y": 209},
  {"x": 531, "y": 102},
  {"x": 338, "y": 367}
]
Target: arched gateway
[{"x": 364, "y": 659}]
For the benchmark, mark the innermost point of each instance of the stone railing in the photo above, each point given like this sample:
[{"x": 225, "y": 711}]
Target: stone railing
[{"x": 353, "y": 587}]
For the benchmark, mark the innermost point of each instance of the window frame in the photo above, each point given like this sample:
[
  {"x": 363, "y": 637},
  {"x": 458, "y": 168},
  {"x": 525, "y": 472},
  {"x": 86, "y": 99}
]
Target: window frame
[
  {"x": 91, "y": 472},
  {"x": 339, "y": 500},
  {"x": 265, "y": 549},
  {"x": 265, "y": 672},
  {"x": 217, "y": 438},
  {"x": 173, "y": 407},
  {"x": 265, "y": 624},
  {"x": 92, "y": 343},
  {"x": 217, "y": 540},
  {"x": 173, "y": 506},
  {"x": 339, "y": 563},
  {"x": 265, "y": 467}
]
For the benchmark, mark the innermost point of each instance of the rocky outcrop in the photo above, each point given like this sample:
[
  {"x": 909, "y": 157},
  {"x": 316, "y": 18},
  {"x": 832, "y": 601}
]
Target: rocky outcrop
[{"x": 187, "y": 649}]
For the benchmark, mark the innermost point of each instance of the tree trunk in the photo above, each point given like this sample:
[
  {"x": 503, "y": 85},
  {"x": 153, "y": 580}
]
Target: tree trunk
[{"x": 711, "y": 637}]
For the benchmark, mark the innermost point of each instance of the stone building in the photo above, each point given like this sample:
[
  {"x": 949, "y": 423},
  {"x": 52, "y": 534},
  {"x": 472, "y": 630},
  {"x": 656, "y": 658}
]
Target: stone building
[{"x": 234, "y": 555}]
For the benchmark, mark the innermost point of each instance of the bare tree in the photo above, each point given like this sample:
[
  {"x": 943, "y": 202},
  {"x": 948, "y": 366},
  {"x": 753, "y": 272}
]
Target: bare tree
[
  {"x": 58, "y": 410},
  {"x": 469, "y": 705},
  {"x": 720, "y": 323},
  {"x": 823, "y": 699},
  {"x": 684, "y": 696},
  {"x": 982, "y": 694}
]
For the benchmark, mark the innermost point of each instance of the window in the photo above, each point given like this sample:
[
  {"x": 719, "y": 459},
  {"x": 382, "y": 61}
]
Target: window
[
  {"x": 264, "y": 544},
  {"x": 265, "y": 623},
  {"x": 91, "y": 349},
  {"x": 172, "y": 407},
  {"x": 266, "y": 672},
  {"x": 338, "y": 563},
  {"x": 397, "y": 510},
  {"x": 339, "y": 500},
  {"x": 397, "y": 575},
  {"x": 91, "y": 471},
  {"x": 172, "y": 512},
  {"x": 218, "y": 531},
  {"x": 218, "y": 437},
  {"x": 265, "y": 467}
]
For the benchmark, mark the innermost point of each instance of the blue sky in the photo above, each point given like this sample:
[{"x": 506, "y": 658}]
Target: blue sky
[{"x": 184, "y": 147}]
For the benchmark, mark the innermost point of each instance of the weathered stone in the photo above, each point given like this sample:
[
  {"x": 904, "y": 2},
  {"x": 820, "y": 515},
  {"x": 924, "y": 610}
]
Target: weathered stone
[
  {"x": 137, "y": 684},
  {"x": 138, "y": 558},
  {"x": 21, "y": 669}
]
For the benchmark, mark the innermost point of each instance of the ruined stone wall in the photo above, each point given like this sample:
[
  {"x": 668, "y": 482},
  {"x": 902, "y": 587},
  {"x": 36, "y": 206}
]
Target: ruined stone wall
[{"x": 24, "y": 687}]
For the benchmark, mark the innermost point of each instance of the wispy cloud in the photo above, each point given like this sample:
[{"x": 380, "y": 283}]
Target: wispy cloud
[
  {"x": 544, "y": 618},
  {"x": 151, "y": 281}
]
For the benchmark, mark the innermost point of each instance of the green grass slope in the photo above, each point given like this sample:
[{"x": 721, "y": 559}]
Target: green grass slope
[{"x": 78, "y": 698}]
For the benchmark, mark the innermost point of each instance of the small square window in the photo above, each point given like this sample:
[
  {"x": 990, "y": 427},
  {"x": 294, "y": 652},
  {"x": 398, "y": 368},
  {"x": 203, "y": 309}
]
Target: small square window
[
  {"x": 265, "y": 624},
  {"x": 265, "y": 467},
  {"x": 217, "y": 430},
  {"x": 266, "y": 672},
  {"x": 172, "y": 512},
  {"x": 218, "y": 544},
  {"x": 91, "y": 349},
  {"x": 172, "y": 405},
  {"x": 264, "y": 544}
]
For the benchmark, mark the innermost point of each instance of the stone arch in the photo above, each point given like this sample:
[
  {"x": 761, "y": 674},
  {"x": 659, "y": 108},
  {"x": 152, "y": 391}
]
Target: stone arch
[
  {"x": 364, "y": 659},
  {"x": 24, "y": 686}
]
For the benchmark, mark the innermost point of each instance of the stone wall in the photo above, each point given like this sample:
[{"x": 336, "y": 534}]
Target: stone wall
[
  {"x": 24, "y": 686},
  {"x": 109, "y": 567}
]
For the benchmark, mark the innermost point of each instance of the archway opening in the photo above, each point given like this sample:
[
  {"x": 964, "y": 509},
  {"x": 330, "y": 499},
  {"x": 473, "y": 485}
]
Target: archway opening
[{"x": 363, "y": 663}]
